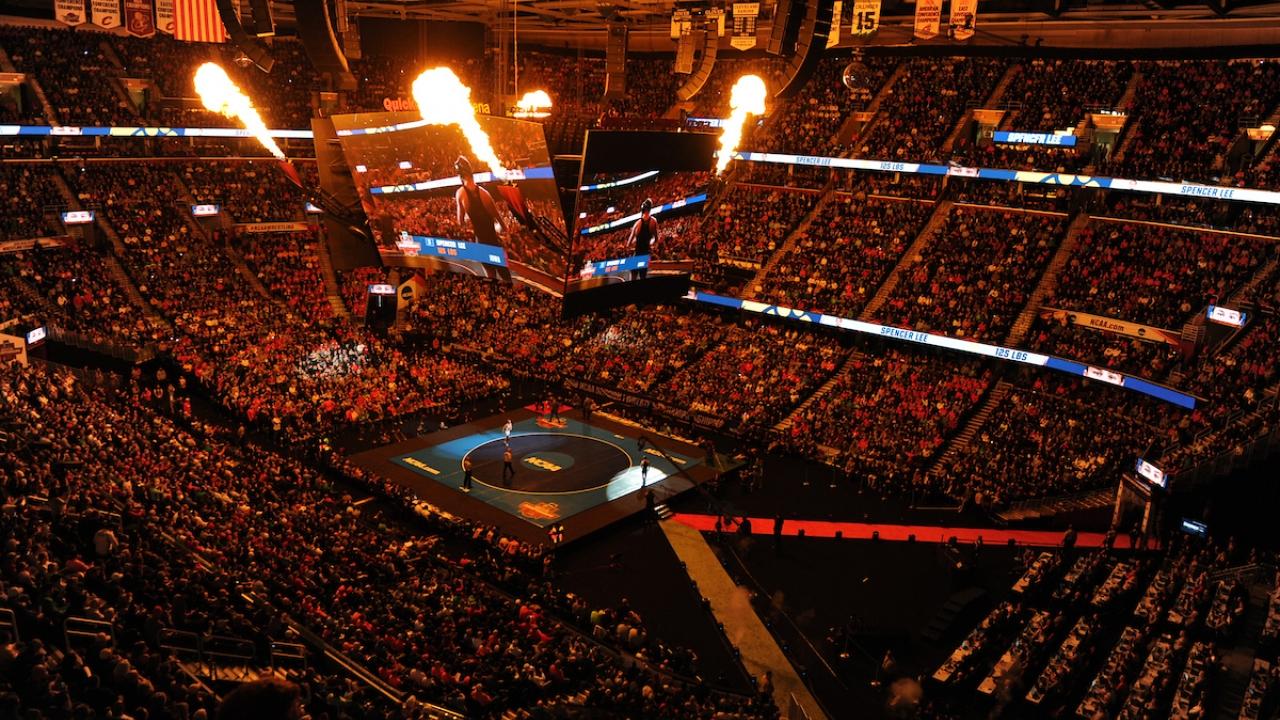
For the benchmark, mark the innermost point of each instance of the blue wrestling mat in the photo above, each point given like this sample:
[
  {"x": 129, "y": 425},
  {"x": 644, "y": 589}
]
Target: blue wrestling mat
[{"x": 560, "y": 468}]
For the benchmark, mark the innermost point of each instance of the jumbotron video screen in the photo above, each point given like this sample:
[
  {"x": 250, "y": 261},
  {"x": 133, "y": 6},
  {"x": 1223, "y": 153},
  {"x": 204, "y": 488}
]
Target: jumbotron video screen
[
  {"x": 431, "y": 203},
  {"x": 637, "y": 202}
]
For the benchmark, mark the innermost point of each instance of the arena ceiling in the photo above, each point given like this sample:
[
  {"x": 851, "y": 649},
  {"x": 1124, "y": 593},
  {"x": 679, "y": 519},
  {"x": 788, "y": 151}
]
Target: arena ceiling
[{"x": 583, "y": 22}]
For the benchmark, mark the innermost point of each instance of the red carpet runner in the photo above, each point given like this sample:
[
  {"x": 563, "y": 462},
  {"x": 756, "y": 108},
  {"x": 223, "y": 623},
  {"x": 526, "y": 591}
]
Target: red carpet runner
[{"x": 901, "y": 533}]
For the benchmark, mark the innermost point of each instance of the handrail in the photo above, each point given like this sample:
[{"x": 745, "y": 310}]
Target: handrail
[
  {"x": 86, "y": 627},
  {"x": 795, "y": 711},
  {"x": 9, "y": 624}
]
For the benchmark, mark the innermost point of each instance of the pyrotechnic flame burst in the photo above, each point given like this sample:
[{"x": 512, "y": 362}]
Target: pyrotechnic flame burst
[
  {"x": 443, "y": 100},
  {"x": 220, "y": 95},
  {"x": 747, "y": 99},
  {"x": 534, "y": 100}
]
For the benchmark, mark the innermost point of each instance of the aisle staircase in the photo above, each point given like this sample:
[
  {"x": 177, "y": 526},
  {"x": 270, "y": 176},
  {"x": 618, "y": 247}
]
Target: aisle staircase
[
  {"x": 246, "y": 272},
  {"x": 6, "y": 65},
  {"x": 126, "y": 283},
  {"x": 786, "y": 423},
  {"x": 970, "y": 430},
  {"x": 1237, "y": 660},
  {"x": 115, "y": 81},
  {"x": 1125, "y": 103},
  {"x": 845, "y": 135},
  {"x": 939, "y": 216},
  {"x": 49, "y": 114},
  {"x": 992, "y": 101},
  {"x": 1050, "y": 506},
  {"x": 332, "y": 291},
  {"x": 1048, "y": 281},
  {"x": 756, "y": 284}
]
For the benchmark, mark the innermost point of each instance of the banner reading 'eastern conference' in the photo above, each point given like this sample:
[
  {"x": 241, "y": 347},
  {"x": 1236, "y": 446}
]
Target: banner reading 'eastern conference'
[{"x": 928, "y": 18}]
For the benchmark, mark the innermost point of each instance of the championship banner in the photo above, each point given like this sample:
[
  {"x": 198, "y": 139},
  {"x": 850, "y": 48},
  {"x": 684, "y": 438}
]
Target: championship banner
[
  {"x": 138, "y": 17},
  {"x": 928, "y": 18},
  {"x": 744, "y": 25},
  {"x": 69, "y": 12},
  {"x": 866, "y": 16},
  {"x": 1111, "y": 325},
  {"x": 833, "y": 38},
  {"x": 106, "y": 13},
  {"x": 964, "y": 17},
  {"x": 164, "y": 16}
]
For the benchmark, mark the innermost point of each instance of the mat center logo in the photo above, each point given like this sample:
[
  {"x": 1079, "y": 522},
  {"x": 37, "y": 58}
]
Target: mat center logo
[
  {"x": 547, "y": 461},
  {"x": 540, "y": 510}
]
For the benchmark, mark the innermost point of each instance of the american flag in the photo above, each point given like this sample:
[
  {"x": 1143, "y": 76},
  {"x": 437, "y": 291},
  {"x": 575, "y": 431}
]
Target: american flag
[{"x": 197, "y": 21}]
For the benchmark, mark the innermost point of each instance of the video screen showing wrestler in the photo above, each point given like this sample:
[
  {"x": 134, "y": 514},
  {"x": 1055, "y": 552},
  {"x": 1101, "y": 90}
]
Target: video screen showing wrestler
[
  {"x": 632, "y": 225},
  {"x": 432, "y": 203}
]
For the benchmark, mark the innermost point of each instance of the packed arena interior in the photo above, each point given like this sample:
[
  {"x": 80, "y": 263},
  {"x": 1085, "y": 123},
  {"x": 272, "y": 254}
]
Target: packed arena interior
[{"x": 963, "y": 408}]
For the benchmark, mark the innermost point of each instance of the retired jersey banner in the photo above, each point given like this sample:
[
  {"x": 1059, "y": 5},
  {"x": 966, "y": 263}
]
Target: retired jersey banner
[
  {"x": 1112, "y": 325},
  {"x": 964, "y": 17},
  {"x": 164, "y": 16},
  {"x": 866, "y": 16},
  {"x": 744, "y": 25},
  {"x": 106, "y": 13},
  {"x": 833, "y": 38},
  {"x": 928, "y": 18},
  {"x": 69, "y": 12},
  {"x": 138, "y": 18}
]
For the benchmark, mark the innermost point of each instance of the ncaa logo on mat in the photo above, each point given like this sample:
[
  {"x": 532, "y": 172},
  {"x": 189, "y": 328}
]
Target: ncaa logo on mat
[
  {"x": 541, "y": 464},
  {"x": 548, "y": 461},
  {"x": 540, "y": 510}
]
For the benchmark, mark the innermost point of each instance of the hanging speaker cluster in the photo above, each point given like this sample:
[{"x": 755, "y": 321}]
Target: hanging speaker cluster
[{"x": 813, "y": 25}]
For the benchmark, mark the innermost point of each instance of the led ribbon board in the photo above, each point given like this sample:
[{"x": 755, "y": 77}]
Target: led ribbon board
[
  {"x": 1007, "y": 137},
  {"x": 530, "y": 173},
  {"x": 665, "y": 207},
  {"x": 1212, "y": 192},
  {"x": 999, "y": 352},
  {"x": 619, "y": 183},
  {"x": 133, "y": 131}
]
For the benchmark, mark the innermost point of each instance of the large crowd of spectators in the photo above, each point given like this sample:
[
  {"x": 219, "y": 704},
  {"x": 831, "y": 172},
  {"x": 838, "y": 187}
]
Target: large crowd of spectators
[
  {"x": 759, "y": 372},
  {"x": 919, "y": 114},
  {"x": 975, "y": 274},
  {"x": 28, "y": 191},
  {"x": 1186, "y": 115},
  {"x": 250, "y": 191},
  {"x": 68, "y": 287},
  {"x": 1153, "y": 275},
  {"x": 474, "y": 627},
  {"x": 843, "y": 257},
  {"x": 79, "y": 80},
  {"x": 890, "y": 411}
]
